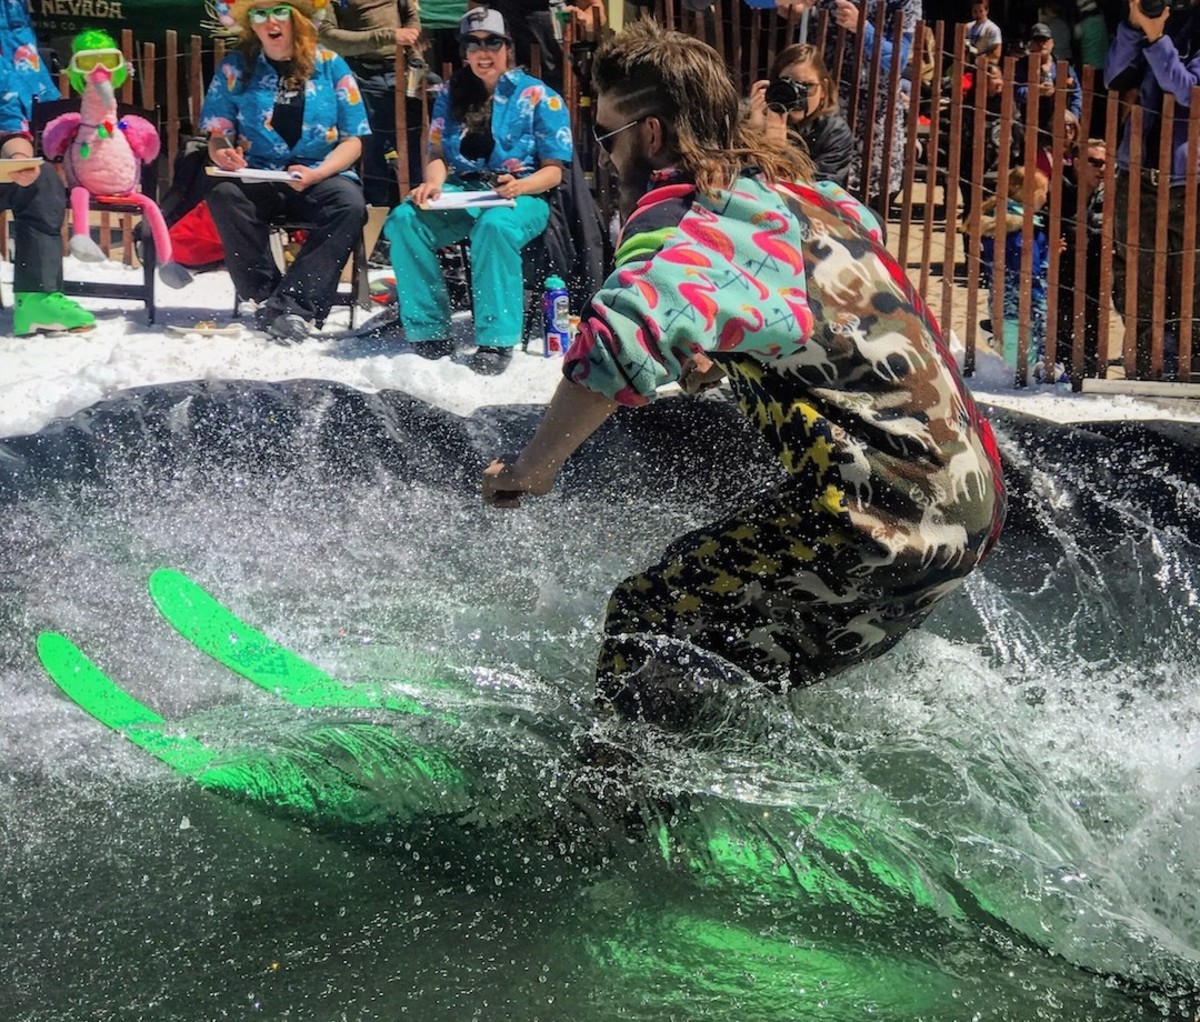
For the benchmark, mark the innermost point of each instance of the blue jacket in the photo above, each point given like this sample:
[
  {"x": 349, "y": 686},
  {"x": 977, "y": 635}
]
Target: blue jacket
[
  {"x": 1074, "y": 89},
  {"x": 529, "y": 124},
  {"x": 23, "y": 76},
  {"x": 1172, "y": 64},
  {"x": 241, "y": 104}
]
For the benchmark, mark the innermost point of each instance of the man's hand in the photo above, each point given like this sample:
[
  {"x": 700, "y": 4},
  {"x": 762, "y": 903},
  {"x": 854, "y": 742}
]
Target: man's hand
[
  {"x": 1153, "y": 28},
  {"x": 407, "y": 37},
  {"x": 700, "y": 373},
  {"x": 504, "y": 485}
]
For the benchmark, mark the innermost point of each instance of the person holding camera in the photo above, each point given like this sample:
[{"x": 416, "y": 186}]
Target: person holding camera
[
  {"x": 1157, "y": 51},
  {"x": 798, "y": 105}
]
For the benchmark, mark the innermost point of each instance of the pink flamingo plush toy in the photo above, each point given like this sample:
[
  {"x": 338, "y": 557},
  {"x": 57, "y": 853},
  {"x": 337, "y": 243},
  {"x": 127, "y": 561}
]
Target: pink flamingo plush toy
[{"x": 102, "y": 152}]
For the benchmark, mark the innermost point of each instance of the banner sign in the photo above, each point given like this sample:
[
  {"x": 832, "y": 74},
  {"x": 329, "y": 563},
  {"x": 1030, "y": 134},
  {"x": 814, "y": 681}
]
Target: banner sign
[{"x": 148, "y": 19}]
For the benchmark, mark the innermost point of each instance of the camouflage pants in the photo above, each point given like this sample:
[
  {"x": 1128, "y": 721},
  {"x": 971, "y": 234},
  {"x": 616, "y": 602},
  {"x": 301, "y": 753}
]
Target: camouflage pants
[{"x": 778, "y": 591}]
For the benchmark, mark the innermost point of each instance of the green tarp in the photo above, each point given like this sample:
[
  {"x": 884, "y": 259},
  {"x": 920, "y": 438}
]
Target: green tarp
[{"x": 150, "y": 19}]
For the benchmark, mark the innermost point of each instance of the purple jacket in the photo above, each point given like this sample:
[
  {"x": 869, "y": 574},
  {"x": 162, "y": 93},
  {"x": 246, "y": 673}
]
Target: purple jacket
[{"x": 1174, "y": 66}]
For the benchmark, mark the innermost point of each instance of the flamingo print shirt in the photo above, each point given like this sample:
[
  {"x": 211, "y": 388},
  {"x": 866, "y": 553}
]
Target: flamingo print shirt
[
  {"x": 240, "y": 103},
  {"x": 829, "y": 351},
  {"x": 529, "y": 124}
]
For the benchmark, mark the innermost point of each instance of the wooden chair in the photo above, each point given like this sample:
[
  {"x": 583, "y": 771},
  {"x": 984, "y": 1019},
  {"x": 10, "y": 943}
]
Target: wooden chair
[{"x": 43, "y": 114}]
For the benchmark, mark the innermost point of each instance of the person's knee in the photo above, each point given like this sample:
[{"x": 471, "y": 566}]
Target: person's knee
[
  {"x": 42, "y": 204},
  {"x": 498, "y": 231},
  {"x": 400, "y": 222},
  {"x": 224, "y": 196}
]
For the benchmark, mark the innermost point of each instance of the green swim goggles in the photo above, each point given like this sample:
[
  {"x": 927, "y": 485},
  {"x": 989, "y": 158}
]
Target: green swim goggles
[{"x": 260, "y": 15}]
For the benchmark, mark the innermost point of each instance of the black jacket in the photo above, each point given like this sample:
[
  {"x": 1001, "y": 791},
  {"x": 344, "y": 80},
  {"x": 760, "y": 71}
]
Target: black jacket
[{"x": 829, "y": 143}]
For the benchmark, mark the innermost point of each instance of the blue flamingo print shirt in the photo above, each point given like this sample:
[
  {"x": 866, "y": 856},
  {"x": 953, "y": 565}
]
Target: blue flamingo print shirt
[
  {"x": 241, "y": 102},
  {"x": 529, "y": 124}
]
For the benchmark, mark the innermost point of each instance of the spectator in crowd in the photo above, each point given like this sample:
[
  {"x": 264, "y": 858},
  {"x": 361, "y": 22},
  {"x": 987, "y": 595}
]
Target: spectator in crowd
[
  {"x": 1085, "y": 178},
  {"x": 1010, "y": 218},
  {"x": 494, "y": 127},
  {"x": 984, "y": 38},
  {"x": 1041, "y": 46},
  {"x": 1091, "y": 34},
  {"x": 36, "y": 195},
  {"x": 369, "y": 33},
  {"x": 1156, "y": 56},
  {"x": 893, "y": 490},
  {"x": 992, "y": 83},
  {"x": 868, "y": 176},
  {"x": 280, "y": 102},
  {"x": 1054, "y": 17},
  {"x": 798, "y": 104}
]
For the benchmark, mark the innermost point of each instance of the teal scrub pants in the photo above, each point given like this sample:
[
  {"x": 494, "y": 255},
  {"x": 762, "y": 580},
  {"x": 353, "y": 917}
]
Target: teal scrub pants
[{"x": 497, "y": 235}]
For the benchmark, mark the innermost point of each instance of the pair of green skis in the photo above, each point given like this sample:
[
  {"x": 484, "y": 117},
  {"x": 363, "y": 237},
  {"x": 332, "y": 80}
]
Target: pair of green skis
[{"x": 217, "y": 631}]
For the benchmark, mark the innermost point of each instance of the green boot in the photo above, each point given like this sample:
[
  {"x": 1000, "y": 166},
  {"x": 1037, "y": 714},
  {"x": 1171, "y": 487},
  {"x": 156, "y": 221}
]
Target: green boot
[{"x": 37, "y": 312}]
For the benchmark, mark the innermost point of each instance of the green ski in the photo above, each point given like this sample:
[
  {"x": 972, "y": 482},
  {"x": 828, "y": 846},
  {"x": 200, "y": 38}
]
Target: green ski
[
  {"x": 91, "y": 689},
  {"x": 356, "y": 773},
  {"x": 220, "y": 633}
]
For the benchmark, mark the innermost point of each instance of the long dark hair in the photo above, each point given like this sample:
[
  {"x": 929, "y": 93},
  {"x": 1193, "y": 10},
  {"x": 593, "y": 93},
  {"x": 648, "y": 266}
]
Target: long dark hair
[
  {"x": 652, "y": 72},
  {"x": 469, "y": 97}
]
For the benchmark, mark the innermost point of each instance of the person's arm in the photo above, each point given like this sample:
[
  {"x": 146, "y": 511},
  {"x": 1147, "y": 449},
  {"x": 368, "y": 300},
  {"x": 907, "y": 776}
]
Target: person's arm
[
  {"x": 1124, "y": 62},
  {"x": 1172, "y": 74},
  {"x": 436, "y": 174},
  {"x": 335, "y": 75},
  {"x": 575, "y": 413}
]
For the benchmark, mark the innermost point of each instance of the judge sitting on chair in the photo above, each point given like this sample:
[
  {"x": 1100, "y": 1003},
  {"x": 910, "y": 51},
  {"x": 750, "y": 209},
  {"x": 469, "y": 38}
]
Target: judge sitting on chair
[{"x": 102, "y": 151}]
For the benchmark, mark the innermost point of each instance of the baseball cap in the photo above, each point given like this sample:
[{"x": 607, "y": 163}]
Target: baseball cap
[
  {"x": 483, "y": 19},
  {"x": 1041, "y": 31}
]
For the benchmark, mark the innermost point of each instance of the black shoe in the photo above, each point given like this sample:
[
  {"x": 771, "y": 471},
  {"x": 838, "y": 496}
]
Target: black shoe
[
  {"x": 489, "y": 360},
  {"x": 438, "y": 348},
  {"x": 288, "y": 328}
]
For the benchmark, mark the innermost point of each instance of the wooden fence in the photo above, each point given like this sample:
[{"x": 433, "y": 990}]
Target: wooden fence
[{"x": 939, "y": 163}]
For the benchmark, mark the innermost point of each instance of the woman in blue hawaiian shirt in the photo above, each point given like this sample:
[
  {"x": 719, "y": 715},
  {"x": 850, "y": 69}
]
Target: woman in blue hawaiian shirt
[
  {"x": 492, "y": 128},
  {"x": 281, "y": 103}
]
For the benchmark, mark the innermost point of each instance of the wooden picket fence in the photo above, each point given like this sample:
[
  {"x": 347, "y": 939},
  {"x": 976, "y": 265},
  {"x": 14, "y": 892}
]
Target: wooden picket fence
[{"x": 938, "y": 162}]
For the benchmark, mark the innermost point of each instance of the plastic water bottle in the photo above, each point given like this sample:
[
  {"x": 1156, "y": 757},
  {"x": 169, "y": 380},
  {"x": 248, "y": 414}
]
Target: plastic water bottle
[{"x": 556, "y": 310}]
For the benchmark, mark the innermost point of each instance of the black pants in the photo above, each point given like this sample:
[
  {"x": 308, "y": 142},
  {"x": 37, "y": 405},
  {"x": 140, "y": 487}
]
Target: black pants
[
  {"x": 37, "y": 216},
  {"x": 243, "y": 212}
]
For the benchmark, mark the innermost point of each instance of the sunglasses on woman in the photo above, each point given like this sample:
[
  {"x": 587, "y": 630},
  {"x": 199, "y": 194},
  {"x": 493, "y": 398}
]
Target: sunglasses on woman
[
  {"x": 491, "y": 43},
  {"x": 88, "y": 60},
  {"x": 260, "y": 15}
]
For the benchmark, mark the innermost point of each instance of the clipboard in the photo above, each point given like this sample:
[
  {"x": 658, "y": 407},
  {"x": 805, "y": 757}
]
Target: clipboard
[
  {"x": 467, "y": 200},
  {"x": 249, "y": 174}
]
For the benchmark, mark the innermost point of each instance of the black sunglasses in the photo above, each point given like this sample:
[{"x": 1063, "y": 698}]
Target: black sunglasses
[
  {"x": 1096, "y": 161},
  {"x": 605, "y": 141},
  {"x": 491, "y": 43}
]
